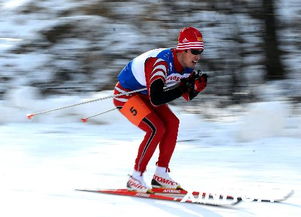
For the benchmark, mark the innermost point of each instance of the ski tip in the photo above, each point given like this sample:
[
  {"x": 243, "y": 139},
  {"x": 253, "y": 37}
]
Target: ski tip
[
  {"x": 86, "y": 190},
  {"x": 289, "y": 194},
  {"x": 80, "y": 189}
]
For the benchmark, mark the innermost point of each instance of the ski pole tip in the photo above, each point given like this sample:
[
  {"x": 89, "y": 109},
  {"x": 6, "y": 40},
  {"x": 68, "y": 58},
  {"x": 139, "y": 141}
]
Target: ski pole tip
[
  {"x": 29, "y": 116},
  {"x": 84, "y": 120}
]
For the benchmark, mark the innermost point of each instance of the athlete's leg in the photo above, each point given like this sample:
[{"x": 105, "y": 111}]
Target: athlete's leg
[
  {"x": 169, "y": 139},
  {"x": 154, "y": 130},
  {"x": 151, "y": 124}
]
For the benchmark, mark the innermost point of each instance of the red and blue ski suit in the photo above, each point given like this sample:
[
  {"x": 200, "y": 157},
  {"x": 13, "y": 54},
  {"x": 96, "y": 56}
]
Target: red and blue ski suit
[{"x": 154, "y": 70}]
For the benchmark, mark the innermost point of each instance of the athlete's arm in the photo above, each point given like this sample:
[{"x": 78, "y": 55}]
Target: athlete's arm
[
  {"x": 158, "y": 96},
  {"x": 155, "y": 74}
]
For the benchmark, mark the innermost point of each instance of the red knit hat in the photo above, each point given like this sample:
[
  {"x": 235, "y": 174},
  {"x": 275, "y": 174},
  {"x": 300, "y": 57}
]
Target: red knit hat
[{"x": 190, "y": 38}]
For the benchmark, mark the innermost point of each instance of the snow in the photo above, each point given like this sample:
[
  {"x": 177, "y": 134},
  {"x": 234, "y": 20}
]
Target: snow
[
  {"x": 13, "y": 4},
  {"x": 44, "y": 159}
]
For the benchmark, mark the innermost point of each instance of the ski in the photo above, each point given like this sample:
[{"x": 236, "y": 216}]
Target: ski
[
  {"x": 183, "y": 198},
  {"x": 197, "y": 197}
]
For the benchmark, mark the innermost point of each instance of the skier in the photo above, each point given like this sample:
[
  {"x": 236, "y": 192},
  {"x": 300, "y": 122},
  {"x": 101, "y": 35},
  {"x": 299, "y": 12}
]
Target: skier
[{"x": 167, "y": 74}]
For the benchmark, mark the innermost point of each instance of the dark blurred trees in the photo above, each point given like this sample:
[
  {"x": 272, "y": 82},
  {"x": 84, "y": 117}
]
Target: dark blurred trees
[
  {"x": 90, "y": 43},
  {"x": 252, "y": 35},
  {"x": 273, "y": 61}
]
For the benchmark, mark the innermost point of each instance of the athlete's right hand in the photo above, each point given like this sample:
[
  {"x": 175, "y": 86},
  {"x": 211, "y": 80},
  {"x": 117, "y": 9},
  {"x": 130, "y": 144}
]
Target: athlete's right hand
[{"x": 187, "y": 84}]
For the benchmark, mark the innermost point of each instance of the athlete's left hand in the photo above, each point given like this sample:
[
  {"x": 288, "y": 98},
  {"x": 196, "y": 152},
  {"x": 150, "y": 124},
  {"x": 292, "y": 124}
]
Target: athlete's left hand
[{"x": 200, "y": 83}]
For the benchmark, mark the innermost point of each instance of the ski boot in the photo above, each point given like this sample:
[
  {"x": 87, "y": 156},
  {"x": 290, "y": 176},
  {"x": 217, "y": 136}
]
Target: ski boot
[
  {"x": 136, "y": 183},
  {"x": 161, "y": 179}
]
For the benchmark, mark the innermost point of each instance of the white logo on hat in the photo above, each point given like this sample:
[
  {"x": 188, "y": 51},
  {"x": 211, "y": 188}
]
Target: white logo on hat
[{"x": 185, "y": 40}]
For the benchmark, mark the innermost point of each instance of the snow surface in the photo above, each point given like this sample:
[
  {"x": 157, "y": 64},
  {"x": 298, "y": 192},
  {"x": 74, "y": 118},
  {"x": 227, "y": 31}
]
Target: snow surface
[{"x": 44, "y": 159}]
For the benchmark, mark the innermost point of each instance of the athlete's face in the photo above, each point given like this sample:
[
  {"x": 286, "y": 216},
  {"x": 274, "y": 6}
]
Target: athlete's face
[{"x": 191, "y": 57}]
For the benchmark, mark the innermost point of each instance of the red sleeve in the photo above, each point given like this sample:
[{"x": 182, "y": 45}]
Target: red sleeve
[
  {"x": 155, "y": 74},
  {"x": 155, "y": 69}
]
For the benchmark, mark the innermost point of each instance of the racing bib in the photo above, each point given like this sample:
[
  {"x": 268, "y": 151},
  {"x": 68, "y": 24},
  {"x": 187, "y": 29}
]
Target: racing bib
[{"x": 135, "y": 110}]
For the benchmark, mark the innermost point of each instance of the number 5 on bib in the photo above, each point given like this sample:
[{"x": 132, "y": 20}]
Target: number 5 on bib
[{"x": 135, "y": 110}]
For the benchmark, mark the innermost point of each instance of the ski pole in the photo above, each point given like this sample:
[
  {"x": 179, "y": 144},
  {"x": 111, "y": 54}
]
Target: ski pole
[
  {"x": 92, "y": 116},
  {"x": 30, "y": 116}
]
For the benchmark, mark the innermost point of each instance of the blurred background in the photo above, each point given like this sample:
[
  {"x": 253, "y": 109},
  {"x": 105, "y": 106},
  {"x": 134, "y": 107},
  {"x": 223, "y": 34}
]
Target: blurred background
[{"x": 70, "y": 47}]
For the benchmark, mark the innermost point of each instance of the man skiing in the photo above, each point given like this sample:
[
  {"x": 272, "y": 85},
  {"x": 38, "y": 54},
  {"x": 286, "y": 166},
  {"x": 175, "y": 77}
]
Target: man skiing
[{"x": 166, "y": 74}]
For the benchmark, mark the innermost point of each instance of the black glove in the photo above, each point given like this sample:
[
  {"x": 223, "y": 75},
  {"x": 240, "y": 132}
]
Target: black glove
[{"x": 187, "y": 84}]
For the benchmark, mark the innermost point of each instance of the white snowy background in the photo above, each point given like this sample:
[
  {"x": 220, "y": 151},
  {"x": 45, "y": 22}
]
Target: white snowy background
[
  {"x": 255, "y": 149},
  {"x": 44, "y": 159}
]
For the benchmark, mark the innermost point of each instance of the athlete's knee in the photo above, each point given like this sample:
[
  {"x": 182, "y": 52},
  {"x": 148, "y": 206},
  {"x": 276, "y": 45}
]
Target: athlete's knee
[
  {"x": 176, "y": 121},
  {"x": 161, "y": 129},
  {"x": 154, "y": 127},
  {"x": 173, "y": 122}
]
